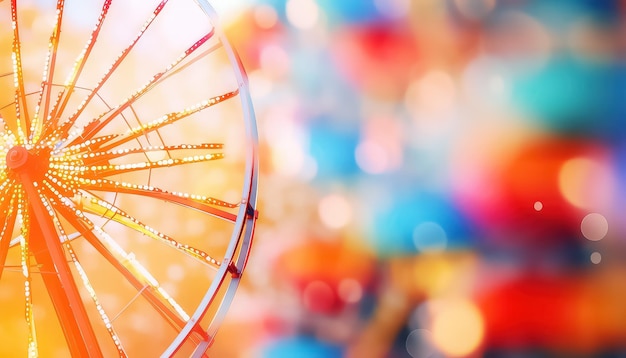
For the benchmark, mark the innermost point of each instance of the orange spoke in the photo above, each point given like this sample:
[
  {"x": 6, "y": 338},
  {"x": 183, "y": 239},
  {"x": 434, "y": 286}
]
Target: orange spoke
[
  {"x": 79, "y": 64},
  {"x": 94, "y": 157},
  {"x": 48, "y": 75},
  {"x": 101, "y": 121},
  {"x": 94, "y": 205},
  {"x": 167, "y": 119},
  {"x": 97, "y": 171},
  {"x": 108, "y": 249},
  {"x": 198, "y": 202},
  {"x": 21, "y": 108},
  {"x": 65, "y": 128},
  {"x": 9, "y": 212}
]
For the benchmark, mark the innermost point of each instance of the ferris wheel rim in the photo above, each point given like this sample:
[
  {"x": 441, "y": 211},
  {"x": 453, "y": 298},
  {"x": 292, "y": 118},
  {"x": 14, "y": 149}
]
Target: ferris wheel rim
[{"x": 247, "y": 215}]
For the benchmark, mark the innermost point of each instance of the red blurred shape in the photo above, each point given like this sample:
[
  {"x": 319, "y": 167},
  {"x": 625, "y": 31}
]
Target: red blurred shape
[
  {"x": 320, "y": 297},
  {"x": 504, "y": 201},
  {"x": 529, "y": 312},
  {"x": 575, "y": 313},
  {"x": 377, "y": 58}
]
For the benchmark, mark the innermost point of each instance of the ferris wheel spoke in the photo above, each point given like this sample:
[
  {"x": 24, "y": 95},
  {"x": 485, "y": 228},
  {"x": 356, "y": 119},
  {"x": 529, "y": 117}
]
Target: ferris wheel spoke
[
  {"x": 168, "y": 119},
  {"x": 103, "y": 119},
  {"x": 92, "y": 293},
  {"x": 94, "y": 205},
  {"x": 135, "y": 274},
  {"x": 48, "y": 75},
  {"x": 10, "y": 215},
  {"x": 22, "y": 119},
  {"x": 99, "y": 171},
  {"x": 49, "y": 253},
  {"x": 65, "y": 128},
  {"x": 97, "y": 155},
  {"x": 79, "y": 64},
  {"x": 199, "y": 202},
  {"x": 66, "y": 240},
  {"x": 33, "y": 350}
]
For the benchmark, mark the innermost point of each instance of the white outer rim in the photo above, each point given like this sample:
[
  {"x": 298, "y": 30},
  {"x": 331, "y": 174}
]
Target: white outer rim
[{"x": 246, "y": 217}]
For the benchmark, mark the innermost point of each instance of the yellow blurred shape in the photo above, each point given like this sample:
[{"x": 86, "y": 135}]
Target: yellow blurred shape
[
  {"x": 335, "y": 211},
  {"x": 585, "y": 183},
  {"x": 458, "y": 328}
]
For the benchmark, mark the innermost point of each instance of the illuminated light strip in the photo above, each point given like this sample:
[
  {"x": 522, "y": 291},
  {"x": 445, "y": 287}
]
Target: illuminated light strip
[
  {"x": 155, "y": 284},
  {"x": 48, "y": 74},
  {"x": 79, "y": 64},
  {"x": 92, "y": 156},
  {"x": 171, "y": 118},
  {"x": 141, "y": 270},
  {"x": 33, "y": 350},
  {"x": 100, "y": 207},
  {"x": 18, "y": 77},
  {"x": 86, "y": 145},
  {"x": 92, "y": 293},
  {"x": 116, "y": 214},
  {"x": 65, "y": 128},
  {"x": 72, "y": 170},
  {"x": 98, "y": 123},
  {"x": 71, "y": 237},
  {"x": 85, "y": 280},
  {"x": 10, "y": 215},
  {"x": 86, "y": 227},
  {"x": 130, "y": 259},
  {"x": 106, "y": 184}
]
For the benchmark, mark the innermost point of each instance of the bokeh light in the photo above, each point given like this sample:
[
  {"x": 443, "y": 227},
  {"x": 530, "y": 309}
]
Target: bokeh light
[
  {"x": 594, "y": 226},
  {"x": 457, "y": 328},
  {"x": 335, "y": 211},
  {"x": 419, "y": 344},
  {"x": 596, "y": 257}
]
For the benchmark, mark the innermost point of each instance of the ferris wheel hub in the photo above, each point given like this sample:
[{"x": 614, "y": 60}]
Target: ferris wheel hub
[
  {"x": 31, "y": 164},
  {"x": 17, "y": 157}
]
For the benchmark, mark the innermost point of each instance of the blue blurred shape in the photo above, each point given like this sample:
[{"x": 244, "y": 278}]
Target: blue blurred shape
[
  {"x": 337, "y": 11},
  {"x": 332, "y": 146},
  {"x": 301, "y": 347},
  {"x": 351, "y": 11},
  {"x": 571, "y": 96},
  {"x": 393, "y": 226}
]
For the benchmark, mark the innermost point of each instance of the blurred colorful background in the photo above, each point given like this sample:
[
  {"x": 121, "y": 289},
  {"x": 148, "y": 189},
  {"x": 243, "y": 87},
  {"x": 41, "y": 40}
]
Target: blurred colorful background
[{"x": 440, "y": 178}]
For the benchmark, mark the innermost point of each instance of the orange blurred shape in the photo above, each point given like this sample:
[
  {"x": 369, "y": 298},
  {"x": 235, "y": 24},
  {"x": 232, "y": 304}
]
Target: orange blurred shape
[
  {"x": 582, "y": 314},
  {"x": 328, "y": 274},
  {"x": 251, "y": 32}
]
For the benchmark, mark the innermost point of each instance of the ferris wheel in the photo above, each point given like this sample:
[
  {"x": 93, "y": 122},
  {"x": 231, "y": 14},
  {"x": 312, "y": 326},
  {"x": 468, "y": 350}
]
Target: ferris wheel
[{"x": 128, "y": 177}]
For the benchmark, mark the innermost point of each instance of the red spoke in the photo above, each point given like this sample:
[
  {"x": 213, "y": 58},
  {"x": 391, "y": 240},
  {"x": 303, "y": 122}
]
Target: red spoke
[
  {"x": 197, "y": 202},
  {"x": 61, "y": 287}
]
